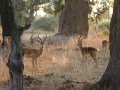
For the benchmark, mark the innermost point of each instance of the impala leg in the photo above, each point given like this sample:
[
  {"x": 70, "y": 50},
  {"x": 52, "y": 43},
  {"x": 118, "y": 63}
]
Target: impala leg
[
  {"x": 33, "y": 62},
  {"x": 105, "y": 53},
  {"x": 36, "y": 62},
  {"x": 82, "y": 56},
  {"x": 81, "y": 59},
  {"x": 95, "y": 59},
  {"x": 93, "y": 55},
  {"x": 85, "y": 57}
]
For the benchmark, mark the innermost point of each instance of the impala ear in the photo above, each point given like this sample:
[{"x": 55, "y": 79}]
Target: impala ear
[
  {"x": 40, "y": 40},
  {"x": 81, "y": 37},
  {"x": 45, "y": 39}
]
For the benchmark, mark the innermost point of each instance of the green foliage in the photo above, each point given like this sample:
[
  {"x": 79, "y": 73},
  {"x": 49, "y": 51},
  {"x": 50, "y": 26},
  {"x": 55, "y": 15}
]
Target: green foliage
[
  {"x": 54, "y": 7},
  {"x": 104, "y": 28},
  {"x": 46, "y": 23},
  {"x": 34, "y": 4},
  {"x": 25, "y": 10},
  {"x": 19, "y": 9},
  {"x": 49, "y": 9},
  {"x": 104, "y": 24},
  {"x": 97, "y": 8},
  {"x": 58, "y": 5}
]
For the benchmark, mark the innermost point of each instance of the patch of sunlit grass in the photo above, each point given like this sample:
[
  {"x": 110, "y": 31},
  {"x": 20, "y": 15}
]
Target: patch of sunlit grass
[{"x": 64, "y": 62}]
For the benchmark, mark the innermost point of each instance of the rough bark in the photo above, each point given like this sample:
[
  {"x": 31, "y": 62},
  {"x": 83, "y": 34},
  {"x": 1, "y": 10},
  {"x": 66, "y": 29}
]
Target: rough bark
[
  {"x": 111, "y": 78},
  {"x": 74, "y": 18},
  {"x": 11, "y": 29}
]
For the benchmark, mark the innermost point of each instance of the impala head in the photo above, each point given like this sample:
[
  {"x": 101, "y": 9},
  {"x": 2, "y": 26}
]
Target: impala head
[
  {"x": 32, "y": 39},
  {"x": 23, "y": 45},
  {"x": 80, "y": 40},
  {"x": 42, "y": 42}
]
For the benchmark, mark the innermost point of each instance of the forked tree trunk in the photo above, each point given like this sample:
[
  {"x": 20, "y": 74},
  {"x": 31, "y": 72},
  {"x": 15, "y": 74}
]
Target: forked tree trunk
[
  {"x": 111, "y": 78},
  {"x": 74, "y": 18},
  {"x": 15, "y": 63}
]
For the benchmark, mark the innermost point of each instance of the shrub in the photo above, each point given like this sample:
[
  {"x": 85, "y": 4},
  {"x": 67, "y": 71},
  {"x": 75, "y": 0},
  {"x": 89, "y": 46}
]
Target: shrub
[
  {"x": 104, "y": 31},
  {"x": 104, "y": 24},
  {"x": 46, "y": 23},
  {"x": 104, "y": 27}
]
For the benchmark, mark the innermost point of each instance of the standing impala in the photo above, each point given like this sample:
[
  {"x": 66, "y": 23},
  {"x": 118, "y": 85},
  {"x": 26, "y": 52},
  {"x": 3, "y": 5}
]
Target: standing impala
[
  {"x": 87, "y": 50},
  {"x": 32, "y": 53},
  {"x": 105, "y": 44}
]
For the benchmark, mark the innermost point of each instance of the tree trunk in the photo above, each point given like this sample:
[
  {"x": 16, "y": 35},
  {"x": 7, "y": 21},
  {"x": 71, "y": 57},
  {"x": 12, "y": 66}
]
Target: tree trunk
[
  {"x": 15, "y": 63},
  {"x": 111, "y": 78},
  {"x": 74, "y": 18}
]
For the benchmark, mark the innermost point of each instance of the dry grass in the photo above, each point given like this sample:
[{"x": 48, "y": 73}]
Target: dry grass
[{"x": 60, "y": 63}]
